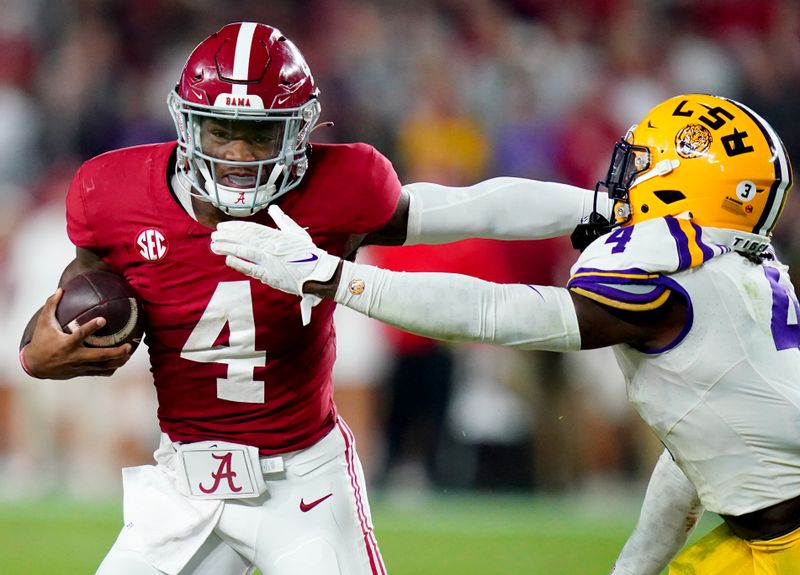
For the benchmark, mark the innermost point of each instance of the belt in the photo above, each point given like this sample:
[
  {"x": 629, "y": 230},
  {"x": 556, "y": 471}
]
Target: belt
[{"x": 767, "y": 523}]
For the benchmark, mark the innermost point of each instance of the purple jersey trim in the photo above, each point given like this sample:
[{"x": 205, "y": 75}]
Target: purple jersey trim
[
  {"x": 682, "y": 243},
  {"x": 708, "y": 252},
  {"x": 785, "y": 335},
  {"x": 601, "y": 285},
  {"x": 671, "y": 284},
  {"x": 627, "y": 271}
]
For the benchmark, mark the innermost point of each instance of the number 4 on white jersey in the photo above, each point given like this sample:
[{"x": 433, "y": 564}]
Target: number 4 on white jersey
[{"x": 231, "y": 304}]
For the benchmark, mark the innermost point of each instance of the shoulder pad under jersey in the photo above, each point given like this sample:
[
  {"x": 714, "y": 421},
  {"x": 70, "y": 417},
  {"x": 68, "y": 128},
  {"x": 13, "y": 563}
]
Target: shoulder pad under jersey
[{"x": 628, "y": 267}]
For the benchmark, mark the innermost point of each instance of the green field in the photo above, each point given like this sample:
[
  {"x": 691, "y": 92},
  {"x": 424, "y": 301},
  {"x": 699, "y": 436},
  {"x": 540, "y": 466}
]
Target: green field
[{"x": 446, "y": 535}]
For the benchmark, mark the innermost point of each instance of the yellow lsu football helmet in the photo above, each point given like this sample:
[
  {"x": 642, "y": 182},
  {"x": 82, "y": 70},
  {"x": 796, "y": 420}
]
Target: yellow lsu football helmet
[{"x": 703, "y": 154}]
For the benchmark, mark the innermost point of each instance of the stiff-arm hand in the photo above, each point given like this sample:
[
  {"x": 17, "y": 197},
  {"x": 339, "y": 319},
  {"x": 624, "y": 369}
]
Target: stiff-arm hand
[{"x": 284, "y": 258}]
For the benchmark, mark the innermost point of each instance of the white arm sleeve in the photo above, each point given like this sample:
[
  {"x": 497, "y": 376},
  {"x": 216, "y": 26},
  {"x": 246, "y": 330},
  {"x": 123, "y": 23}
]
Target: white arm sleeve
[
  {"x": 456, "y": 307},
  {"x": 670, "y": 511},
  {"x": 499, "y": 208}
]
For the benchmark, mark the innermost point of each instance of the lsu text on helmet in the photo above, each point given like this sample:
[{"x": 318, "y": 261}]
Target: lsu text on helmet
[
  {"x": 244, "y": 79},
  {"x": 707, "y": 155}
]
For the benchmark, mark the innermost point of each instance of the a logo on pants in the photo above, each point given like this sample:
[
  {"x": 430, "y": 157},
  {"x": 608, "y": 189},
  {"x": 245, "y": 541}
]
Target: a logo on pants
[{"x": 224, "y": 471}]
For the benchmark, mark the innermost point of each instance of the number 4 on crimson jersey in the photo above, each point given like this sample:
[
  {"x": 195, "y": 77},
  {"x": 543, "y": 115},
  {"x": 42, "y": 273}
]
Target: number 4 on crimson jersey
[{"x": 230, "y": 357}]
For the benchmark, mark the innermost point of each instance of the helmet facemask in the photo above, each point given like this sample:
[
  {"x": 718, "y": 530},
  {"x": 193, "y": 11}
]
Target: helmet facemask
[
  {"x": 628, "y": 162},
  {"x": 241, "y": 188}
]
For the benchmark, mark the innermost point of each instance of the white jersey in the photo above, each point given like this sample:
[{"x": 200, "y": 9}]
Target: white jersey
[{"x": 724, "y": 397}]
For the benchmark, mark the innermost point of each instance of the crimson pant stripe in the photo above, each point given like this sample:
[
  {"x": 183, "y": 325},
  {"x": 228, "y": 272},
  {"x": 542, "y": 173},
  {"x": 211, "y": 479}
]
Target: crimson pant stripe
[{"x": 375, "y": 559}]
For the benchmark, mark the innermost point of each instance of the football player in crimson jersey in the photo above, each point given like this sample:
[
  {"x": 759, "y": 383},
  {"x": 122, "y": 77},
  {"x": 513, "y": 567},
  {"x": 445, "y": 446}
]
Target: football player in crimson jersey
[
  {"x": 255, "y": 467},
  {"x": 679, "y": 276}
]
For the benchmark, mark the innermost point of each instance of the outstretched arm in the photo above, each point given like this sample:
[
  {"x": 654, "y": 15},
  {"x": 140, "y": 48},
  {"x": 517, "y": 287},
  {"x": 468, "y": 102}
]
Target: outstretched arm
[
  {"x": 498, "y": 208},
  {"x": 670, "y": 511},
  {"x": 442, "y": 306}
]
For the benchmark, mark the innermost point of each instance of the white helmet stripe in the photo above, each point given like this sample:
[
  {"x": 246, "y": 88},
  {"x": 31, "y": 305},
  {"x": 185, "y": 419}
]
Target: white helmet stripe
[
  {"x": 241, "y": 58},
  {"x": 782, "y": 171}
]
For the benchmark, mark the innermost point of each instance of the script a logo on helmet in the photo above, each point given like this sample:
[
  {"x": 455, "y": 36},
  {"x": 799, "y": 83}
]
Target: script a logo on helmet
[{"x": 152, "y": 244}]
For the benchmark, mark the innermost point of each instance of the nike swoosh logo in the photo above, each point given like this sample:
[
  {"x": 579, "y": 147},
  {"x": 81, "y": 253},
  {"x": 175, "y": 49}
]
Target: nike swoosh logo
[
  {"x": 311, "y": 258},
  {"x": 306, "y": 507}
]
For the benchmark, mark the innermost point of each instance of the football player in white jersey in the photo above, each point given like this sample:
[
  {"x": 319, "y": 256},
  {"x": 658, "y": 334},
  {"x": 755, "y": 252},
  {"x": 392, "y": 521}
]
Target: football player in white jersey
[{"x": 681, "y": 279}]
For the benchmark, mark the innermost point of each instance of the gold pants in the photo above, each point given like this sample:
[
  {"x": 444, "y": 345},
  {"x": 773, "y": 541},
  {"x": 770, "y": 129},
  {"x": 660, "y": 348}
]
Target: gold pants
[{"x": 720, "y": 552}]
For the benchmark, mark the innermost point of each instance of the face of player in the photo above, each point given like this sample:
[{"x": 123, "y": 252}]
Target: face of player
[{"x": 239, "y": 141}]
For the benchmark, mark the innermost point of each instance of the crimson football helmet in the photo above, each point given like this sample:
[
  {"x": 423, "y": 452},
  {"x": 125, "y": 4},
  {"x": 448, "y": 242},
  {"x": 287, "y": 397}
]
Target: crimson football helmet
[{"x": 245, "y": 72}]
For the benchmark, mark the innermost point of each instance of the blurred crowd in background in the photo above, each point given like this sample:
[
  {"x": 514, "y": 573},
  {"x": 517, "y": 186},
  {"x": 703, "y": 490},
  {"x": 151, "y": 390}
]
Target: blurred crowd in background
[{"x": 452, "y": 91}]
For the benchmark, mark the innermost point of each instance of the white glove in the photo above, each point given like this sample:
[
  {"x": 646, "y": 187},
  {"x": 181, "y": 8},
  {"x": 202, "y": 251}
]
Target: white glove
[{"x": 284, "y": 258}]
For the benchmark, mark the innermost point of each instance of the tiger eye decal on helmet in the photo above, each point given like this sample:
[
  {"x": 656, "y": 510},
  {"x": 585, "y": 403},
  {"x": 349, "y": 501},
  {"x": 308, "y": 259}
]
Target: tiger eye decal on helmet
[
  {"x": 709, "y": 156},
  {"x": 693, "y": 141}
]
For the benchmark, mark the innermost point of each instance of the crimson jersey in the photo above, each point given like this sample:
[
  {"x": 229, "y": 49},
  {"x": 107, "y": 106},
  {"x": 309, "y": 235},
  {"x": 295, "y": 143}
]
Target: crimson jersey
[{"x": 229, "y": 355}]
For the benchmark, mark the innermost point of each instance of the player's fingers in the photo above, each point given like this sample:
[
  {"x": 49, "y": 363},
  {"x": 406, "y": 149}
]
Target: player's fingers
[
  {"x": 243, "y": 266},
  {"x": 105, "y": 357},
  {"x": 52, "y": 302},
  {"x": 227, "y": 232},
  {"x": 235, "y": 231},
  {"x": 114, "y": 363},
  {"x": 223, "y": 246},
  {"x": 247, "y": 253},
  {"x": 48, "y": 313},
  {"x": 81, "y": 332},
  {"x": 284, "y": 222}
]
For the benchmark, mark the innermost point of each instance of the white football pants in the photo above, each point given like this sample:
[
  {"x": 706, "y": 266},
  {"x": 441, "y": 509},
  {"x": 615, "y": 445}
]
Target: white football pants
[{"x": 313, "y": 520}]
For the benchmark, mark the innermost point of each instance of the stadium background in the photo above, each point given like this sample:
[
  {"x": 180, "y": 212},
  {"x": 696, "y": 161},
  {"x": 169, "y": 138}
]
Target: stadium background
[{"x": 495, "y": 456}]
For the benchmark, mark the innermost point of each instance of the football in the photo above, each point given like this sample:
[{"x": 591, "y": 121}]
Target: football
[{"x": 105, "y": 294}]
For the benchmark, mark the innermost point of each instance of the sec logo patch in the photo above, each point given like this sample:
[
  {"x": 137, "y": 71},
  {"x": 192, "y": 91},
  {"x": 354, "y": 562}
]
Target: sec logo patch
[{"x": 152, "y": 244}]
